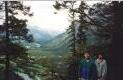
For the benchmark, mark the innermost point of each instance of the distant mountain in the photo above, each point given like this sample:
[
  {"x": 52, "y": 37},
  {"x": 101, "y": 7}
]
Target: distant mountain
[
  {"x": 40, "y": 36},
  {"x": 45, "y": 41},
  {"x": 56, "y": 44}
]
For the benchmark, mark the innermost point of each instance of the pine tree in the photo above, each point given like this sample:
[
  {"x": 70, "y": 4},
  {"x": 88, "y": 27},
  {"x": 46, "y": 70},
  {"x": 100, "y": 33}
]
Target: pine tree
[
  {"x": 70, "y": 5},
  {"x": 17, "y": 27},
  {"x": 109, "y": 21},
  {"x": 12, "y": 27},
  {"x": 76, "y": 35},
  {"x": 81, "y": 37}
]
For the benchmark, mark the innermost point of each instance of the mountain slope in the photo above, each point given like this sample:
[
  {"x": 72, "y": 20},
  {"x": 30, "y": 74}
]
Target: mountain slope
[
  {"x": 57, "y": 44},
  {"x": 40, "y": 36}
]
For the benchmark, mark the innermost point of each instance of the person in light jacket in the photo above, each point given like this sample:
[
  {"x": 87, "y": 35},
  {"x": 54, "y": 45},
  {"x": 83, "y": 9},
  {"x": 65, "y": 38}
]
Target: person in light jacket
[{"x": 101, "y": 67}]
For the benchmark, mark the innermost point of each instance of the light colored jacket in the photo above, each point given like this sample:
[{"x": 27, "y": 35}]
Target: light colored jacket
[{"x": 101, "y": 68}]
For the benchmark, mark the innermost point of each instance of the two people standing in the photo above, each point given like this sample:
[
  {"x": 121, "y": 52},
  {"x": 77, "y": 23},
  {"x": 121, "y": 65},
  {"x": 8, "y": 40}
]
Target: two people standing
[{"x": 92, "y": 69}]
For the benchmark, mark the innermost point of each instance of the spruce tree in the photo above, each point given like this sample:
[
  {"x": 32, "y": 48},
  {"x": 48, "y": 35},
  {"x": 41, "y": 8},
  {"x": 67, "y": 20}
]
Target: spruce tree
[{"x": 12, "y": 27}]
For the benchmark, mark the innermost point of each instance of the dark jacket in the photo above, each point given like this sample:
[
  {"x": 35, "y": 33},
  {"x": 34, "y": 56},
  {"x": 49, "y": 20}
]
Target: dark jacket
[{"x": 88, "y": 69}]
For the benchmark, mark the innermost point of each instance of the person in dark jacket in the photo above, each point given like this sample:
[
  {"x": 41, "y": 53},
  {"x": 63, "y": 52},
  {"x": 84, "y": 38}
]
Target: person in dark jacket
[{"x": 87, "y": 69}]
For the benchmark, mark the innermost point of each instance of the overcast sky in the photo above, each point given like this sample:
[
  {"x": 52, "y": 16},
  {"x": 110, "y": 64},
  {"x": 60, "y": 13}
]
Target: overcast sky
[{"x": 44, "y": 17}]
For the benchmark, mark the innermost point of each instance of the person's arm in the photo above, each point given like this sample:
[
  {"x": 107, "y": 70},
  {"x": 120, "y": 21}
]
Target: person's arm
[
  {"x": 104, "y": 70},
  {"x": 80, "y": 67}
]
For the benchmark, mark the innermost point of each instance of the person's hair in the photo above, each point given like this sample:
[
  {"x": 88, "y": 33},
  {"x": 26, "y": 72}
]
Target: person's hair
[
  {"x": 100, "y": 53},
  {"x": 87, "y": 52}
]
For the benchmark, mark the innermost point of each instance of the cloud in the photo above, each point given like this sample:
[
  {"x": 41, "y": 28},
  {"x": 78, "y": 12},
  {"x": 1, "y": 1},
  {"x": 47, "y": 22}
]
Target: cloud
[{"x": 45, "y": 18}]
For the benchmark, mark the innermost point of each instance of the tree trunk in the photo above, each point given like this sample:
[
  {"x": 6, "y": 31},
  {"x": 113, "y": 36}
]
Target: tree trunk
[
  {"x": 117, "y": 41},
  {"x": 7, "y": 40}
]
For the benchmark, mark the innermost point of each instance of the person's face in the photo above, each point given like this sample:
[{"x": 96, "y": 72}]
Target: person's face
[
  {"x": 100, "y": 56},
  {"x": 87, "y": 56}
]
